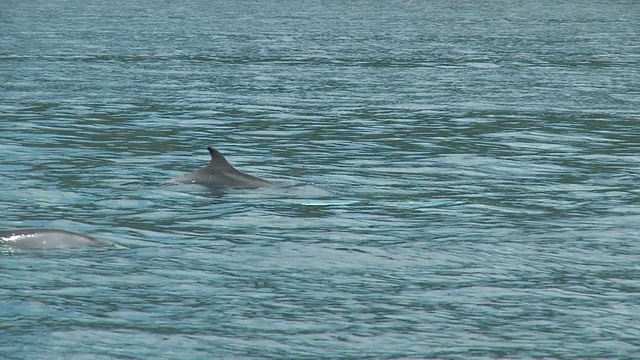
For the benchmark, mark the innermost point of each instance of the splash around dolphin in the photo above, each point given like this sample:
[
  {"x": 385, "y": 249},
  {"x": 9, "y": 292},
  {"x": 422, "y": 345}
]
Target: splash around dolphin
[
  {"x": 220, "y": 174},
  {"x": 46, "y": 239}
]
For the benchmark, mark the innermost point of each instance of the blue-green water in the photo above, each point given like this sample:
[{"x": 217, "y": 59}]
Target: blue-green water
[{"x": 456, "y": 179}]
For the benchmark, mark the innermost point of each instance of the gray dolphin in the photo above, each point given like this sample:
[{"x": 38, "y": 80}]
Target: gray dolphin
[
  {"x": 219, "y": 173},
  {"x": 45, "y": 239}
]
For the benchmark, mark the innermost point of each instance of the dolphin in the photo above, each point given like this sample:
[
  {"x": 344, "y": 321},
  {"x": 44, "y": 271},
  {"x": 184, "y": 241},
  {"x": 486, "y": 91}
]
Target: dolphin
[
  {"x": 45, "y": 239},
  {"x": 219, "y": 173}
]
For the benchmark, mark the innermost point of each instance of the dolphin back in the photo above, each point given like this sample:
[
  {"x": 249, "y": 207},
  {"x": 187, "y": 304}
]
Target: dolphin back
[
  {"x": 219, "y": 173},
  {"x": 45, "y": 239}
]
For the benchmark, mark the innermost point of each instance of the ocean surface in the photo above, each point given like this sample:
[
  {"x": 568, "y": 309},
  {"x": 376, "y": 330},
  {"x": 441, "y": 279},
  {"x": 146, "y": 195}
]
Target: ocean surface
[{"x": 456, "y": 179}]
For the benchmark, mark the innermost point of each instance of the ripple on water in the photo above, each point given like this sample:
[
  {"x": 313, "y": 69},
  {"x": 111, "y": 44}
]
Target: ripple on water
[{"x": 448, "y": 186}]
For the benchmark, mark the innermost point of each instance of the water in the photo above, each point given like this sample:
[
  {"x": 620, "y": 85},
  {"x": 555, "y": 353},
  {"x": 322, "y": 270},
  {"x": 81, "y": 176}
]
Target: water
[{"x": 456, "y": 179}]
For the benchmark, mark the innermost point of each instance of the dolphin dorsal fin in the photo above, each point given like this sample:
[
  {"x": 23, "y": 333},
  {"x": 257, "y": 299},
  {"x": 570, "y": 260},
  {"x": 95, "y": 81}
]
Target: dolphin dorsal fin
[{"x": 217, "y": 159}]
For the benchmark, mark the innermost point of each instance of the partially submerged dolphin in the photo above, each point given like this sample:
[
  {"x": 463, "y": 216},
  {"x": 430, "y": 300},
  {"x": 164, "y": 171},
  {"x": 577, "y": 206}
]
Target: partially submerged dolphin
[
  {"x": 219, "y": 173},
  {"x": 45, "y": 239}
]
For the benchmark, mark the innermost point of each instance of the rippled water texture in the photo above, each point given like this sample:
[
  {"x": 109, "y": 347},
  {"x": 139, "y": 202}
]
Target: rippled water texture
[{"x": 455, "y": 179}]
